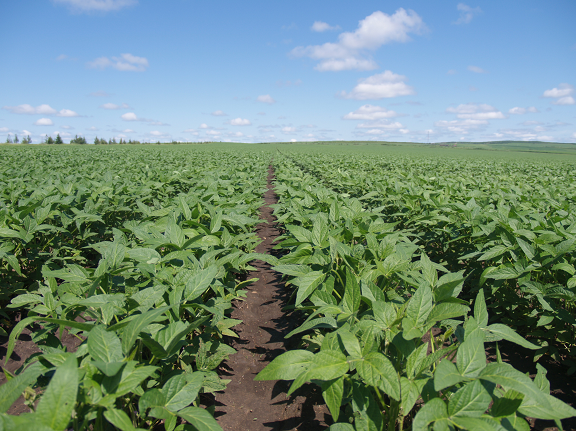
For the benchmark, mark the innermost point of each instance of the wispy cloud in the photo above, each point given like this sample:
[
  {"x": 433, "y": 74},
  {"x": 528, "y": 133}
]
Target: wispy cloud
[
  {"x": 466, "y": 13},
  {"x": 476, "y": 69},
  {"x": 40, "y": 110},
  {"x": 239, "y": 122},
  {"x": 266, "y": 98},
  {"x": 321, "y": 26},
  {"x": 219, "y": 113},
  {"x": 370, "y": 112},
  {"x": 519, "y": 111},
  {"x": 124, "y": 63},
  {"x": 473, "y": 111},
  {"x": 80, "y": 6},
  {"x": 349, "y": 52},
  {"x": 114, "y": 106},
  {"x": 131, "y": 116}
]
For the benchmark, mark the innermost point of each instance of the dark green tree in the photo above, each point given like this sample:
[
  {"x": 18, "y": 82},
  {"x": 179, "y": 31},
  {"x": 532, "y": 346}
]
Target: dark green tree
[
  {"x": 8, "y": 139},
  {"x": 49, "y": 140},
  {"x": 16, "y": 140},
  {"x": 58, "y": 139}
]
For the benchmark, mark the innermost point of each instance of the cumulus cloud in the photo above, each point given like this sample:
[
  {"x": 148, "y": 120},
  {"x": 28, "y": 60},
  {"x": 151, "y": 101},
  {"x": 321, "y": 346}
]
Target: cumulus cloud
[
  {"x": 562, "y": 94},
  {"x": 219, "y": 113},
  {"x": 131, "y": 116},
  {"x": 474, "y": 111},
  {"x": 520, "y": 111},
  {"x": 288, "y": 130},
  {"x": 266, "y": 98},
  {"x": 114, "y": 106},
  {"x": 96, "y": 5},
  {"x": 370, "y": 112},
  {"x": 321, "y": 26},
  {"x": 380, "y": 86},
  {"x": 476, "y": 69},
  {"x": 125, "y": 63},
  {"x": 466, "y": 13},
  {"x": 43, "y": 122},
  {"x": 239, "y": 122},
  {"x": 373, "y": 31},
  {"x": 40, "y": 110}
]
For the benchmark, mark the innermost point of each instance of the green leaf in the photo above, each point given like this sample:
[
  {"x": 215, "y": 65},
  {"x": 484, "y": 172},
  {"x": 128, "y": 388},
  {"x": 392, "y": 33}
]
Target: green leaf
[
  {"x": 327, "y": 365},
  {"x": 13, "y": 388},
  {"x": 199, "y": 419},
  {"x": 57, "y": 403},
  {"x": 104, "y": 345},
  {"x": 497, "y": 332},
  {"x": 198, "y": 283},
  {"x": 477, "y": 424},
  {"x": 119, "y": 419},
  {"x": 433, "y": 411},
  {"x": 377, "y": 370},
  {"x": 480, "y": 310},
  {"x": 109, "y": 368},
  {"x": 446, "y": 375},
  {"x": 447, "y": 310},
  {"x": 504, "y": 272},
  {"x": 471, "y": 357},
  {"x": 350, "y": 343},
  {"x": 180, "y": 391},
  {"x": 495, "y": 251},
  {"x": 306, "y": 284},
  {"x": 472, "y": 400},
  {"x": 351, "y": 299},
  {"x": 130, "y": 333},
  {"x": 341, "y": 427},
  {"x": 287, "y": 366},
  {"x": 332, "y": 391}
]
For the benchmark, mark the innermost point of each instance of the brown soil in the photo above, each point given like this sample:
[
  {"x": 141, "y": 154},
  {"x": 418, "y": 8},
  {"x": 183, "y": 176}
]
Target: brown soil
[{"x": 250, "y": 405}]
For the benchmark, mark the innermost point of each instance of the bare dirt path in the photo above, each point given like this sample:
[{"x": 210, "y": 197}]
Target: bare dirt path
[{"x": 247, "y": 405}]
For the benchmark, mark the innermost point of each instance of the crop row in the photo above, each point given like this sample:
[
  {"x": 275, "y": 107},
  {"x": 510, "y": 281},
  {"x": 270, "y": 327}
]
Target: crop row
[
  {"x": 394, "y": 330},
  {"x": 139, "y": 253}
]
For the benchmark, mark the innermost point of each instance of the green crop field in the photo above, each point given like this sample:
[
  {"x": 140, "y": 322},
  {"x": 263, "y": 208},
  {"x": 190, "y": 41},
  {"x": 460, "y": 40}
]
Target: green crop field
[{"x": 405, "y": 262}]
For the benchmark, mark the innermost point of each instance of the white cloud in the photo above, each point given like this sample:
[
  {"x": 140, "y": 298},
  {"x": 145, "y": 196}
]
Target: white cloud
[
  {"x": 219, "y": 113},
  {"x": 266, "y": 98},
  {"x": 382, "y": 124},
  {"x": 370, "y": 112},
  {"x": 476, "y": 69},
  {"x": 67, "y": 127},
  {"x": 520, "y": 111},
  {"x": 158, "y": 133},
  {"x": 566, "y": 100},
  {"x": 40, "y": 110},
  {"x": 44, "y": 122},
  {"x": 96, "y": 5},
  {"x": 452, "y": 72},
  {"x": 114, "y": 106},
  {"x": 61, "y": 57},
  {"x": 563, "y": 90},
  {"x": 380, "y": 86},
  {"x": 321, "y": 26},
  {"x": 204, "y": 126},
  {"x": 460, "y": 126},
  {"x": 288, "y": 130},
  {"x": 125, "y": 63},
  {"x": 373, "y": 31},
  {"x": 92, "y": 129},
  {"x": 473, "y": 111},
  {"x": 26, "y": 132},
  {"x": 239, "y": 122},
  {"x": 213, "y": 132},
  {"x": 129, "y": 116},
  {"x": 466, "y": 13},
  {"x": 574, "y": 135},
  {"x": 128, "y": 131}
]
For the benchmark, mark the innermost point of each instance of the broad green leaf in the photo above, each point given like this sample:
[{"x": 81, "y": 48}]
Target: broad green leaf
[
  {"x": 480, "y": 310},
  {"x": 104, "y": 345},
  {"x": 109, "y": 368},
  {"x": 471, "y": 358},
  {"x": 199, "y": 419},
  {"x": 181, "y": 391},
  {"x": 332, "y": 391},
  {"x": 433, "y": 411},
  {"x": 327, "y": 365},
  {"x": 447, "y": 310},
  {"x": 350, "y": 343},
  {"x": 131, "y": 331},
  {"x": 306, "y": 284},
  {"x": 119, "y": 419},
  {"x": 472, "y": 400},
  {"x": 198, "y": 284},
  {"x": 351, "y": 299},
  {"x": 13, "y": 388},
  {"x": 477, "y": 424},
  {"x": 446, "y": 375},
  {"x": 287, "y": 366},
  {"x": 497, "y": 332},
  {"x": 377, "y": 370},
  {"x": 57, "y": 403}
]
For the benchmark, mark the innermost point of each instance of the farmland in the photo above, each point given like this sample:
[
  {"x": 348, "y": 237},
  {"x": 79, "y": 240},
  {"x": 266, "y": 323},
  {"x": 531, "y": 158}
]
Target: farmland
[{"x": 409, "y": 272}]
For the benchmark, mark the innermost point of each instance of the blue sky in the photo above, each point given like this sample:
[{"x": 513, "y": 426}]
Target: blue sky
[{"x": 265, "y": 71}]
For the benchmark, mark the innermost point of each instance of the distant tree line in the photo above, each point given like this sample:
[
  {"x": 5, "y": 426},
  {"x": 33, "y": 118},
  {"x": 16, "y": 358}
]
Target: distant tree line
[
  {"x": 26, "y": 140},
  {"x": 81, "y": 140}
]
